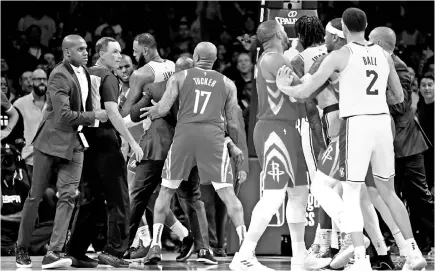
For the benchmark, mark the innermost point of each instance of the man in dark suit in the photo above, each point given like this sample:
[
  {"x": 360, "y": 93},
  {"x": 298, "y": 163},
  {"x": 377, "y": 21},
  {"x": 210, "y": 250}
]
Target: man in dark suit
[
  {"x": 409, "y": 144},
  {"x": 59, "y": 144}
]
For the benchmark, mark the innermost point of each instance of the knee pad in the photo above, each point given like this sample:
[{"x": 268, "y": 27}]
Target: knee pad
[{"x": 297, "y": 204}]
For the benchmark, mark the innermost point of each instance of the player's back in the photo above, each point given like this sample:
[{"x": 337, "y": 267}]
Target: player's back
[
  {"x": 272, "y": 103},
  {"x": 202, "y": 97},
  {"x": 311, "y": 54},
  {"x": 162, "y": 71},
  {"x": 363, "y": 82}
]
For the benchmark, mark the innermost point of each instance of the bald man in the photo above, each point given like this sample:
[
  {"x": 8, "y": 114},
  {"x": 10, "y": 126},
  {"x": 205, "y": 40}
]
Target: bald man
[
  {"x": 204, "y": 96},
  {"x": 409, "y": 146},
  {"x": 59, "y": 144}
]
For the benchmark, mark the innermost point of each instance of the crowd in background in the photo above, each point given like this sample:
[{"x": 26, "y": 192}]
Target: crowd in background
[{"x": 32, "y": 34}]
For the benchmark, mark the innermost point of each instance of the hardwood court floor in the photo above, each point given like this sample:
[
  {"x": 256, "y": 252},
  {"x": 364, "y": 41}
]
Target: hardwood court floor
[{"x": 168, "y": 263}]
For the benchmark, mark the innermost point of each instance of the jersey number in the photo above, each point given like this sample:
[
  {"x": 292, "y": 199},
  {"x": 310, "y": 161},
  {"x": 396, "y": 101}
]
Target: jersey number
[
  {"x": 375, "y": 77},
  {"x": 207, "y": 98}
]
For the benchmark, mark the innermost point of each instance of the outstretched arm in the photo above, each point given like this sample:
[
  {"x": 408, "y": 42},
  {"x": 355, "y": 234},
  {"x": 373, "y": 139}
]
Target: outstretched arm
[
  {"x": 335, "y": 61},
  {"x": 163, "y": 107}
]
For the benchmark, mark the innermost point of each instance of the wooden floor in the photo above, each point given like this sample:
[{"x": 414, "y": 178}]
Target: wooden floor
[{"x": 168, "y": 263}]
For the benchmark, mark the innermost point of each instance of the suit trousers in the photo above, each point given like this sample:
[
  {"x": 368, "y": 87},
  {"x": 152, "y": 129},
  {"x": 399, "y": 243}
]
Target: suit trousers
[
  {"x": 103, "y": 189},
  {"x": 68, "y": 180},
  {"x": 410, "y": 185},
  {"x": 147, "y": 179}
]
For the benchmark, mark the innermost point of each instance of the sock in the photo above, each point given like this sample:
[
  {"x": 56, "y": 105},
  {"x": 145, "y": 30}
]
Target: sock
[
  {"x": 298, "y": 249},
  {"x": 144, "y": 235},
  {"x": 157, "y": 234},
  {"x": 411, "y": 246},
  {"x": 136, "y": 240},
  {"x": 325, "y": 239},
  {"x": 400, "y": 241},
  {"x": 179, "y": 230},
  {"x": 334, "y": 236},
  {"x": 360, "y": 253},
  {"x": 381, "y": 247},
  {"x": 241, "y": 232},
  {"x": 316, "y": 239}
]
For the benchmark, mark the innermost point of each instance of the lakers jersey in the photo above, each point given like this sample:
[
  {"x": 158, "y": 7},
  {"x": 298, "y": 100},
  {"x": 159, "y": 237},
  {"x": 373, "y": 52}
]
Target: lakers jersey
[
  {"x": 162, "y": 70},
  {"x": 202, "y": 97},
  {"x": 363, "y": 82},
  {"x": 311, "y": 54},
  {"x": 272, "y": 103}
]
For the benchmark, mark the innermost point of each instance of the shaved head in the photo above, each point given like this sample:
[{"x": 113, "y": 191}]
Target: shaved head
[
  {"x": 384, "y": 37},
  {"x": 205, "y": 51},
  {"x": 39, "y": 73},
  {"x": 71, "y": 41},
  {"x": 183, "y": 63}
]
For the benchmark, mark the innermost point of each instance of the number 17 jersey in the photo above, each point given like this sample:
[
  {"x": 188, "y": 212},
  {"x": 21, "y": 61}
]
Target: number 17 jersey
[
  {"x": 363, "y": 83},
  {"x": 202, "y": 98}
]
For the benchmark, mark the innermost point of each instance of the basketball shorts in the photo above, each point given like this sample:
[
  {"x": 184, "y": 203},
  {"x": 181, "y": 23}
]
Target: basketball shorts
[
  {"x": 331, "y": 122},
  {"x": 366, "y": 140},
  {"x": 279, "y": 150},
  {"x": 201, "y": 145}
]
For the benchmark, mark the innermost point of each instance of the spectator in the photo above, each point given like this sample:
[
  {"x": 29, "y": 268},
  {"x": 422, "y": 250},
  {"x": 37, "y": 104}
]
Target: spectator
[
  {"x": 25, "y": 82},
  {"x": 426, "y": 117},
  {"x": 223, "y": 60},
  {"x": 6, "y": 89},
  {"x": 110, "y": 21},
  {"x": 429, "y": 66},
  {"x": 210, "y": 20},
  {"x": 249, "y": 24},
  {"x": 183, "y": 42},
  {"x": 32, "y": 52},
  {"x": 9, "y": 120},
  {"x": 31, "y": 108},
  {"x": 44, "y": 22},
  {"x": 245, "y": 76}
]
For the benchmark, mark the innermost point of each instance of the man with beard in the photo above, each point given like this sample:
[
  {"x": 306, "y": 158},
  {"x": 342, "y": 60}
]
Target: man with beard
[{"x": 31, "y": 107}]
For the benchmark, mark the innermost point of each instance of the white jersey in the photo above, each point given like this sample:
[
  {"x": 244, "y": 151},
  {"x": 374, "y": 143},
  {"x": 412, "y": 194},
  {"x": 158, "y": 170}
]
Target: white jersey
[
  {"x": 363, "y": 83},
  {"x": 162, "y": 70},
  {"x": 311, "y": 54}
]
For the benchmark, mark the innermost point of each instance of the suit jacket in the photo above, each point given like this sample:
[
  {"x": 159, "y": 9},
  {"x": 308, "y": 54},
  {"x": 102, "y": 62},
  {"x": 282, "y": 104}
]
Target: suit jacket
[
  {"x": 57, "y": 133},
  {"x": 409, "y": 139}
]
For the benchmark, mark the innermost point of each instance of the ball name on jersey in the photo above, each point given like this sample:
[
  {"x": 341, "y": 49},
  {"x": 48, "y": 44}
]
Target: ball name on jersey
[
  {"x": 316, "y": 57},
  {"x": 204, "y": 81},
  {"x": 369, "y": 60}
]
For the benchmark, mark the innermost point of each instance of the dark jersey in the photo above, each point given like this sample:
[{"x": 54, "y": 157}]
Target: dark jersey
[{"x": 202, "y": 98}]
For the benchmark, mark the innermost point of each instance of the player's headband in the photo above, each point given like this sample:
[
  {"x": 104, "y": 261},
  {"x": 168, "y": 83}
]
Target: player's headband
[{"x": 334, "y": 30}]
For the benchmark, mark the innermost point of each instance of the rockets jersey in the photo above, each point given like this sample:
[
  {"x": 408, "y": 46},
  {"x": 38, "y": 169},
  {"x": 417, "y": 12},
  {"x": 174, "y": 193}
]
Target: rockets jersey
[
  {"x": 363, "y": 83},
  {"x": 311, "y": 54},
  {"x": 202, "y": 97},
  {"x": 272, "y": 103},
  {"x": 162, "y": 70}
]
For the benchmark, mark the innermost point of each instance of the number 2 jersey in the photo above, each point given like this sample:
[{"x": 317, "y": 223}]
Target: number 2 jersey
[
  {"x": 363, "y": 82},
  {"x": 202, "y": 98}
]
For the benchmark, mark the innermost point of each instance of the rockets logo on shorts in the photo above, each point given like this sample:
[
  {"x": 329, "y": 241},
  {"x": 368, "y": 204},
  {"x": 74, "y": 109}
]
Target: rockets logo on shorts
[{"x": 275, "y": 172}]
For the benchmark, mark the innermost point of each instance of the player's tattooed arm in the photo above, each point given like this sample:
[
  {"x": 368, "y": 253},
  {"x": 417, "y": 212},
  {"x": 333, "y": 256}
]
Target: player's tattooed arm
[
  {"x": 163, "y": 107},
  {"x": 394, "y": 91},
  {"x": 138, "y": 79},
  {"x": 298, "y": 66},
  {"x": 232, "y": 111}
]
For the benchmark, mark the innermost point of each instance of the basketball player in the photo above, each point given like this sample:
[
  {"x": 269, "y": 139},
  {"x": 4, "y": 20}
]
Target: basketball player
[
  {"x": 149, "y": 81},
  {"x": 278, "y": 146},
  {"x": 311, "y": 35},
  {"x": 204, "y": 96},
  {"x": 322, "y": 190},
  {"x": 365, "y": 134}
]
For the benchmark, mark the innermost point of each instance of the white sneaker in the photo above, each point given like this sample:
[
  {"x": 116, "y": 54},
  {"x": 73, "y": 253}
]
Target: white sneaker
[
  {"x": 309, "y": 262},
  {"x": 240, "y": 263},
  {"x": 414, "y": 261},
  {"x": 361, "y": 265},
  {"x": 346, "y": 252}
]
